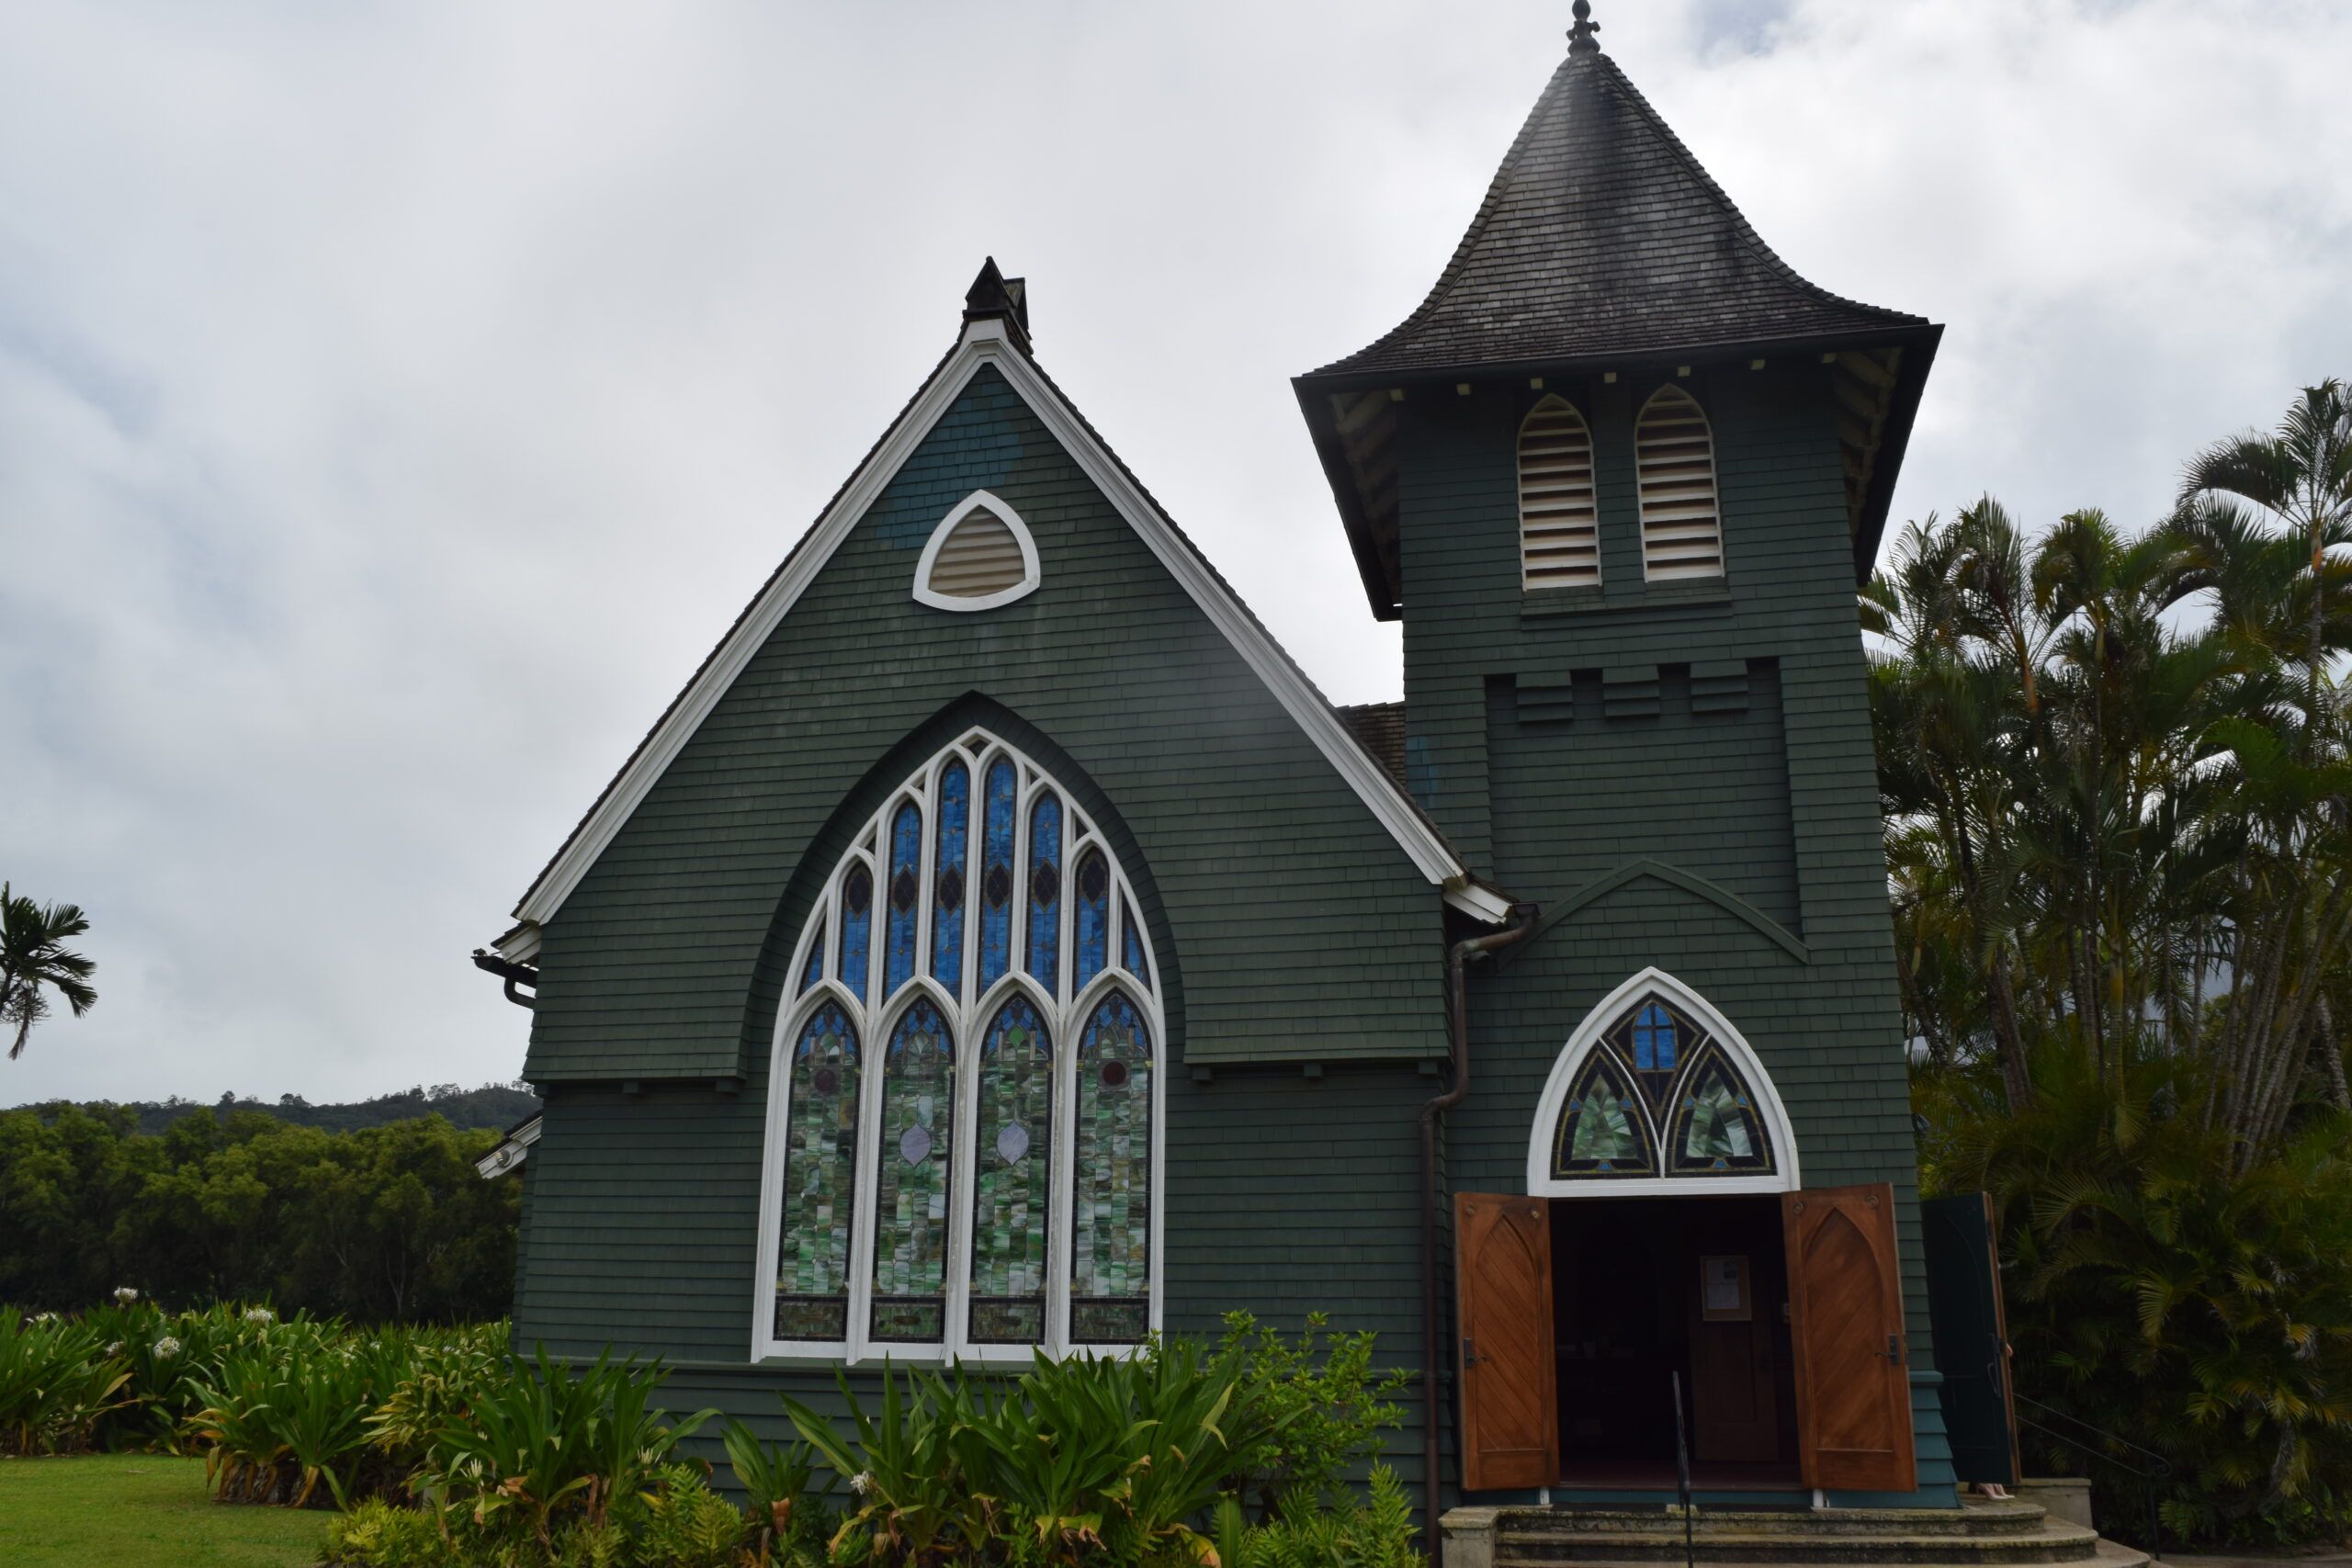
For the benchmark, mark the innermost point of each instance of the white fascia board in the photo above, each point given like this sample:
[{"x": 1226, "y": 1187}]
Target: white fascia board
[
  {"x": 1478, "y": 901},
  {"x": 520, "y": 945},
  {"x": 985, "y": 343},
  {"x": 511, "y": 1151}
]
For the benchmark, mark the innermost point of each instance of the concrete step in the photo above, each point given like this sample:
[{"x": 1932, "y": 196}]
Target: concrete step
[
  {"x": 1523, "y": 1543},
  {"x": 2103, "y": 1554},
  {"x": 1977, "y": 1516}
]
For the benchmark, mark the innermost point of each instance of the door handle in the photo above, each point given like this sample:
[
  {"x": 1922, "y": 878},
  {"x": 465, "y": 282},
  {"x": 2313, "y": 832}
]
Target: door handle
[
  {"x": 1469, "y": 1352},
  {"x": 1894, "y": 1349}
]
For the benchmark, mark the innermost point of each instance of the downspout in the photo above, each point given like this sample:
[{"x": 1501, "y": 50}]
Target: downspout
[
  {"x": 511, "y": 974},
  {"x": 1457, "y": 1009}
]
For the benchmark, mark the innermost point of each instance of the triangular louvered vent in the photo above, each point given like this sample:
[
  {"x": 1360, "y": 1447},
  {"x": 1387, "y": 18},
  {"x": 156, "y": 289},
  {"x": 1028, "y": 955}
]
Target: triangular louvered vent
[
  {"x": 1559, "y": 541},
  {"x": 1675, "y": 456},
  {"x": 980, "y": 559}
]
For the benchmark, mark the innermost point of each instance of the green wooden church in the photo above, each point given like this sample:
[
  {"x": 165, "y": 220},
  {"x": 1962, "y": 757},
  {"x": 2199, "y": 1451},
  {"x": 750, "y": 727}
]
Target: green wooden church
[{"x": 1000, "y": 946}]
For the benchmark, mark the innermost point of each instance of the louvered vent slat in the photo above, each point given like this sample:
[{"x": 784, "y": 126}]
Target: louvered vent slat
[
  {"x": 1559, "y": 541},
  {"x": 980, "y": 557},
  {"x": 1674, "y": 455}
]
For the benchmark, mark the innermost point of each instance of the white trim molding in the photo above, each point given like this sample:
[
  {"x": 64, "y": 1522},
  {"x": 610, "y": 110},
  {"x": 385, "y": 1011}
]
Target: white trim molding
[
  {"x": 512, "y": 1150},
  {"x": 828, "y": 972},
  {"x": 979, "y": 500},
  {"x": 986, "y": 344},
  {"x": 1542, "y": 1183}
]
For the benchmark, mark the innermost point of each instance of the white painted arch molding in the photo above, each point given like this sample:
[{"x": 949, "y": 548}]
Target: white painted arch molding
[{"x": 1542, "y": 1183}]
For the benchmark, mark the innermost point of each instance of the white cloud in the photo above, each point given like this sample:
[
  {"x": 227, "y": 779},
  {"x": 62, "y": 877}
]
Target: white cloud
[{"x": 396, "y": 402}]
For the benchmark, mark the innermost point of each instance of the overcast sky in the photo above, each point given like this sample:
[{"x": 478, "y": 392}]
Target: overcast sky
[{"x": 396, "y": 402}]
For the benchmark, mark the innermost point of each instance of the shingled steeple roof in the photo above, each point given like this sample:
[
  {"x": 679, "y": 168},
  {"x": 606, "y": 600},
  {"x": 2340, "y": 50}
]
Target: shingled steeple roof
[
  {"x": 1602, "y": 245},
  {"x": 1602, "y": 236}
]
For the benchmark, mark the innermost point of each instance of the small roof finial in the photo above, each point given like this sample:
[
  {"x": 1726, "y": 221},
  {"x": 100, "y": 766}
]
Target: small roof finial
[{"x": 1580, "y": 39}]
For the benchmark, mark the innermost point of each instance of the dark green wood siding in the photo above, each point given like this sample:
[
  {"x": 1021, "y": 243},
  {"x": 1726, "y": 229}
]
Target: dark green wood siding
[
  {"x": 1299, "y": 926},
  {"x": 1284, "y": 1195}
]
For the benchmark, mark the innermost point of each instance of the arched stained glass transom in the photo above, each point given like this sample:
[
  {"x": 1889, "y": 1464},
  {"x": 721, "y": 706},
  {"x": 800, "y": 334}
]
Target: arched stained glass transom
[
  {"x": 964, "y": 1144},
  {"x": 1657, "y": 1087}
]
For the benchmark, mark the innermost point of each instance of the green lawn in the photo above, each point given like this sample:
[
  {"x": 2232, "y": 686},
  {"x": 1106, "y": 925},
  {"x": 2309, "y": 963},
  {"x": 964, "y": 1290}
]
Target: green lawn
[{"x": 141, "y": 1511}]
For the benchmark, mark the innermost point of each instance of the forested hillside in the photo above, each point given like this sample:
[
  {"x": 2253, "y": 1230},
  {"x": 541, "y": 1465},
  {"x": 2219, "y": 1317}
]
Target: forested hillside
[{"x": 499, "y": 1105}]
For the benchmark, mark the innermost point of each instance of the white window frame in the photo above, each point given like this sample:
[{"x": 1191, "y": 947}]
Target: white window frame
[
  {"x": 1030, "y": 574},
  {"x": 968, "y": 1015},
  {"x": 1542, "y": 1183}
]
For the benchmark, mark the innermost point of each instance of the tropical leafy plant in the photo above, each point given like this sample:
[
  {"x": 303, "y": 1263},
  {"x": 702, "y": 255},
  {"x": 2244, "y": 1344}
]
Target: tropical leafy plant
[{"x": 35, "y": 961}]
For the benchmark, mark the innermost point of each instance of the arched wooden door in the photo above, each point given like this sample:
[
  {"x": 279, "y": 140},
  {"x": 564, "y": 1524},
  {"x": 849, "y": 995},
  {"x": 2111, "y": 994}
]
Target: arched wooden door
[
  {"x": 1846, "y": 1321},
  {"x": 1510, "y": 1423}
]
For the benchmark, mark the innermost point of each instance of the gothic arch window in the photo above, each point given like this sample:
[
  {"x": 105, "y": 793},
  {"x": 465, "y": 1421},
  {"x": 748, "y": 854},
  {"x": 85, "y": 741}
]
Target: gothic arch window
[
  {"x": 966, "y": 1099},
  {"x": 1674, "y": 462},
  {"x": 1656, "y": 1088},
  {"x": 1559, "y": 532}
]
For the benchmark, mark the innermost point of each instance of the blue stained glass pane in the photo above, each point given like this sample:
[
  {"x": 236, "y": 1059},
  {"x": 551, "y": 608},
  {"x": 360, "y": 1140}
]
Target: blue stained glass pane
[
  {"x": 857, "y": 927},
  {"x": 996, "y": 875},
  {"x": 947, "y": 890},
  {"x": 1093, "y": 916},
  {"x": 1654, "y": 1040},
  {"x": 906, "y": 857},
  {"x": 1045, "y": 950},
  {"x": 1132, "y": 947},
  {"x": 814, "y": 970}
]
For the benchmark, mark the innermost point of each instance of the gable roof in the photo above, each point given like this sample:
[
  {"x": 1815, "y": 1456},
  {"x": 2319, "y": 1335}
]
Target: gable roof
[
  {"x": 1600, "y": 235},
  {"x": 1602, "y": 243},
  {"x": 993, "y": 339}
]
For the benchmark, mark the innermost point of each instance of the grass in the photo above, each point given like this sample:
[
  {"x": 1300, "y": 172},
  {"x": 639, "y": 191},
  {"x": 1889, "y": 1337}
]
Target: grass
[{"x": 141, "y": 1511}]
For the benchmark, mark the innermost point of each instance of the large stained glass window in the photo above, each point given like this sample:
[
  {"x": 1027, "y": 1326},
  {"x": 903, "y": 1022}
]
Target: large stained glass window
[
  {"x": 918, "y": 1167},
  {"x": 819, "y": 1180},
  {"x": 961, "y": 1146},
  {"x": 1110, "y": 1287},
  {"x": 1013, "y": 1177},
  {"x": 1656, "y": 1095}
]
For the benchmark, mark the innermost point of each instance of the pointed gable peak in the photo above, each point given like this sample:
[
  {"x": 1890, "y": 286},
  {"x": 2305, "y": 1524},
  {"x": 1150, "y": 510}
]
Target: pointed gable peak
[
  {"x": 1601, "y": 236},
  {"x": 996, "y": 297}
]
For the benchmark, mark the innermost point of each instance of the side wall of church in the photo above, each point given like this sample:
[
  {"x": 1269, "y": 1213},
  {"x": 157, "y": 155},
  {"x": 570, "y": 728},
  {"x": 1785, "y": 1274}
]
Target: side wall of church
[
  {"x": 1719, "y": 729},
  {"x": 1286, "y": 1195}
]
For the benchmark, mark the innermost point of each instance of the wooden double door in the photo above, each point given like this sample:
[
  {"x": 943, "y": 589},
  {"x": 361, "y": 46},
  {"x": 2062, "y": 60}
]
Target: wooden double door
[{"x": 1567, "y": 1320}]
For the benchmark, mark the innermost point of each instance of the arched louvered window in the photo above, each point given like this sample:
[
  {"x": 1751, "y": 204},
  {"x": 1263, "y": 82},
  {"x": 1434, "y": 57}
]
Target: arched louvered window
[
  {"x": 964, "y": 1126},
  {"x": 1674, "y": 459},
  {"x": 980, "y": 556},
  {"x": 1559, "y": 534}
]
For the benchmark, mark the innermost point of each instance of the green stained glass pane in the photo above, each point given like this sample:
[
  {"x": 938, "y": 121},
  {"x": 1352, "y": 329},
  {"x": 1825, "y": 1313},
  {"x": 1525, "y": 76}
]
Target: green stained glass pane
[
  {"x": 1111, "y": 1212},
  {"x": 911, "y": 1194},
  {"x": 1604, "y": 1129},
  {"x": 1012, "y": 1174},
  {"x": 1716, "y": 1127},
  {"x": 819, "y": 1174}
]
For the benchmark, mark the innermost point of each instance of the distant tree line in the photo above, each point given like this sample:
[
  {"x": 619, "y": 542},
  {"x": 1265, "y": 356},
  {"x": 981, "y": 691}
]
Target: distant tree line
[
  {"x": 388, "y": 1223},
  {"x": 495, "y": 1105}
]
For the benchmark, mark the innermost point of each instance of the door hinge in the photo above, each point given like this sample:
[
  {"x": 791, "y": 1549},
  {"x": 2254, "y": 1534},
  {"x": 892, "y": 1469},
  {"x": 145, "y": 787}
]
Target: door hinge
[
  {"x": 1894, "y": 1349},
  {"x": 1469, "y": 1352}
]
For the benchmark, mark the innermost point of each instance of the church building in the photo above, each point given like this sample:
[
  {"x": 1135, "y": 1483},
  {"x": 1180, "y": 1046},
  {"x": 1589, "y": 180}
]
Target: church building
[{"x": 1001, "y": 946}]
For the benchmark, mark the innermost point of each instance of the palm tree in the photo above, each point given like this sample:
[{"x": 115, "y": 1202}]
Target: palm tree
[
  {"x": 33, "y": 959},
  {"x": 2301, "y": 476}
]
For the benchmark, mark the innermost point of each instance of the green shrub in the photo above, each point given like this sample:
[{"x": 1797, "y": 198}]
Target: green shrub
[
  {"x": 376, "y": 1535},
  {"x": 1328, "y": 1407},
  {"x": 789, "y": 1511},
  {"x": 1378, "y": 1534},
  {"x": 57, "y": 1382},
  {"x": 1089, "y": 1458}
]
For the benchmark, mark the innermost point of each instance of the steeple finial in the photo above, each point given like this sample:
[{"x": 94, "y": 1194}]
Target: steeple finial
[{"x": 1580, "y": 39}]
